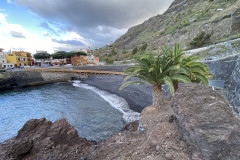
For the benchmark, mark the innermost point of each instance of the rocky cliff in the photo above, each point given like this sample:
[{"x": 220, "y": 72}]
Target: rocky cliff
[
  {"x": 197, "y": 124},
  {"x": 182, "y": 22}
]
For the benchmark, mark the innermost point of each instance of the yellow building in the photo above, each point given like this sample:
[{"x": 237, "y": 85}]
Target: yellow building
[
  {"x": 79, "y": 61},
  {"x": 19, "y": 58}
]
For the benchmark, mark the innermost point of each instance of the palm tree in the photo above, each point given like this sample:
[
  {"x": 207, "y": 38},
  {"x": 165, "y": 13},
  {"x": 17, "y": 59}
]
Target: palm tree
[
  {"x": 168, "y": 68},
  {"x": 156, "y": 71}
]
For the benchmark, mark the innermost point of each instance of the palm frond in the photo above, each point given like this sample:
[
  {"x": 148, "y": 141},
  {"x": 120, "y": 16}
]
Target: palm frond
[
  {"x": 181, "y": 78},
  {"x": 131, "y": 82}
]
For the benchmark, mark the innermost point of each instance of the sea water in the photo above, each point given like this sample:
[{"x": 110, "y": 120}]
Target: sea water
[{"x": 95, "y": 114}]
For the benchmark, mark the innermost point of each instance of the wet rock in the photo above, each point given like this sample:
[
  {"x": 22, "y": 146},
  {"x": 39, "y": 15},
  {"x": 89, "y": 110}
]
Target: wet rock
[
  {"x": 207, "y": 123},
  {"x": 19, "y": 149}
]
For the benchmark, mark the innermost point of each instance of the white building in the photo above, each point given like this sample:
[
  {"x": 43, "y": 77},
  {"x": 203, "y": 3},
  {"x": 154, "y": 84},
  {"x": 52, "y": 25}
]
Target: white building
[
  {"x": 2, "y": 57},
  {"x": 92, "y": 60},
  {"x": 3, "y": 61}
]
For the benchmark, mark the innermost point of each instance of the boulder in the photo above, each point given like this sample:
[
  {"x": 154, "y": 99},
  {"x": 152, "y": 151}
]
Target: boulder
[
  {"x": 19, "y": 149},
  {"x": 59, "y": 132},
  {"x": 207, "y": 123},
  {"x": 42, "y": 139}
]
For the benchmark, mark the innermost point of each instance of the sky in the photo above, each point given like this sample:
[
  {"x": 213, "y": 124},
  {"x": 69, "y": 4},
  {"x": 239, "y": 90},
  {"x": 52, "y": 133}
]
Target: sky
[{"x": 52, "y": 25}]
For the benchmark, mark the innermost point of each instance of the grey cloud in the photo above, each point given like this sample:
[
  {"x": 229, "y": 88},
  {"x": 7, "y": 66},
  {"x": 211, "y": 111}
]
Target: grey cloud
[
  {"x": 17, "y": 34},
  {"x": 114, "y": 13},
  {"x": 67, "y": 48},
  {"x": 85, "y": 16},
  {"x": 69, "y": 42}
]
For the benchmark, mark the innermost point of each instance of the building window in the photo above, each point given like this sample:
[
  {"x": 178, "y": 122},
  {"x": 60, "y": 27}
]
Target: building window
[
  {"x": 19, "y": 59},
  {"x": 24, "y": 59}
]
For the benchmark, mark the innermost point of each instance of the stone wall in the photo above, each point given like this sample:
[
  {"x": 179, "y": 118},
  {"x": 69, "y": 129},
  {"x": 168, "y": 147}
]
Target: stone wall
[
  {"x": 228, "y": 69},
  {"x": 24, "y": 78}
]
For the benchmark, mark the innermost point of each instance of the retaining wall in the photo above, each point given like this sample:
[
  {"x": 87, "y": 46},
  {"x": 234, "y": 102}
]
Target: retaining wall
[
  {"x": 228, "y": 69},
  {"x": 24, "y": 78}
]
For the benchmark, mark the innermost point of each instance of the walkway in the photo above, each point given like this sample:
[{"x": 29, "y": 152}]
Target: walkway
[{"x": 82, "y": 72}]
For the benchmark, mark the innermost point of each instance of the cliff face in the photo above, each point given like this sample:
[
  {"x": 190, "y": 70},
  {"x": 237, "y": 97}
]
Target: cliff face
[{"x": 183, "y": 21}]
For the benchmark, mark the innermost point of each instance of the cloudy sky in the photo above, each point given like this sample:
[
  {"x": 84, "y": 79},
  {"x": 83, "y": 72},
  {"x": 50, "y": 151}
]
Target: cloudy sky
[{"x": 50, "y": 25}]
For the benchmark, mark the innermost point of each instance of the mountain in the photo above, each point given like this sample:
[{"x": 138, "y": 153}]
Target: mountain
[{"x": 183, "y": 22}]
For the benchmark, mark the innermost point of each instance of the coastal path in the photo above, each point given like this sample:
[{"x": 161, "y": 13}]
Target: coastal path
[{"x": 82, "y": 72}]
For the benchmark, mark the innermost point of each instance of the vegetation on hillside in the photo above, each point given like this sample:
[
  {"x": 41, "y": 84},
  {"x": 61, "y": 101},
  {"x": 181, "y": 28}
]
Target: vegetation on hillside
[
  {"x": 193, "y": 24},
  {"x": 179, "y": 24}
]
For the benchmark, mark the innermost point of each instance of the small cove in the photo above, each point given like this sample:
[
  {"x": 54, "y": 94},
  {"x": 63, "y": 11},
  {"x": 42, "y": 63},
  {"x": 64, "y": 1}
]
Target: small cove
[{"x": 95, "y": 117}]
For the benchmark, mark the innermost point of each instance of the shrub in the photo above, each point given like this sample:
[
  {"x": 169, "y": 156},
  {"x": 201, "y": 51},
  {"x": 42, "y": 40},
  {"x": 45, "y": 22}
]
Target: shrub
[
  {"x": 109, "y": 60},
  {"x": 135, "y": 50},
  {"x": 200, "y": 40},
  {"x": 144, "y": 47},
  {"x": 124, "y": 51},
  {"x": 113, "y": 52}
]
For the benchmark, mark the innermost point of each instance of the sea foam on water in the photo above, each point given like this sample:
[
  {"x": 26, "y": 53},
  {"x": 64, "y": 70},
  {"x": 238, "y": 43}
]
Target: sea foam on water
[{"x": 114, "y": 100}]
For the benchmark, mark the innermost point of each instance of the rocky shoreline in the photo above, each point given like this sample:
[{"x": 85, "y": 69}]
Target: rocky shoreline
[{"x": 196, "y": 124}]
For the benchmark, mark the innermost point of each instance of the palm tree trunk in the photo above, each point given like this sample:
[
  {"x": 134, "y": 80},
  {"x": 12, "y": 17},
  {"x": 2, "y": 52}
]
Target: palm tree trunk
[
  {"x": 175, "y": 87},
  {"x": 158, "y": 100}
]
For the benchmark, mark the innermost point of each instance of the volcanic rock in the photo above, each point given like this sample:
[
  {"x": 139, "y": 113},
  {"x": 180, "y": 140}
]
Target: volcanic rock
[
  {"x": 131, "y": 127},
  {"x": 19, "y": 149},
  {"x": 207, "y": 123},
  {"x": 42, "y": 139}
]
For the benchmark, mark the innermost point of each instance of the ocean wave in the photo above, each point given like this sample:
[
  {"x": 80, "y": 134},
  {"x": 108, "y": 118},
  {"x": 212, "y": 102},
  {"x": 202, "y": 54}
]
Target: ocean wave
[{"x": 114, "y": 100}]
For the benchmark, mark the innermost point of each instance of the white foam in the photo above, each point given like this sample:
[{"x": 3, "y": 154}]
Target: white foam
[{"x": 114, "y": 100}]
